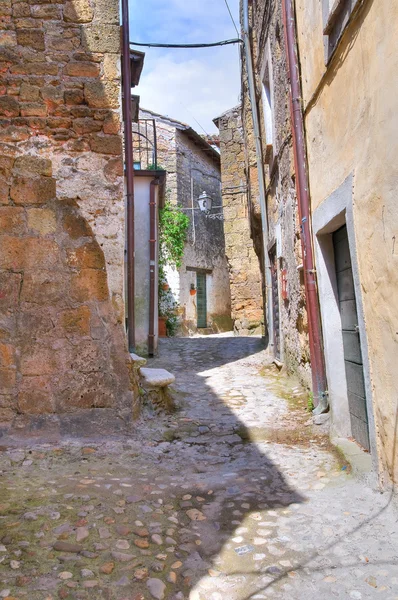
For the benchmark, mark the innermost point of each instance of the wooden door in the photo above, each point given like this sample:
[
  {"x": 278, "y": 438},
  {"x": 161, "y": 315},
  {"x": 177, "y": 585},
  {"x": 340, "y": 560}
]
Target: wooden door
[
  {"x": 351, "y": 339},
  {"x": 201, "y": 295}
]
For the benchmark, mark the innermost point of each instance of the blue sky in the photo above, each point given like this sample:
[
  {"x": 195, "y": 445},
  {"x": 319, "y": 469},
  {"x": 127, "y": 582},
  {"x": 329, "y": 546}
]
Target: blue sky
[{"x": 187, "y": 84}]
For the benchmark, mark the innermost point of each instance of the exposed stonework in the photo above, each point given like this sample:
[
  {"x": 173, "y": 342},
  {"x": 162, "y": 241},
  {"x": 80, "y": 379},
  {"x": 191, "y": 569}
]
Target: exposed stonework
[
  {"x": 291, "y": 328},
  {"x": 62, "y": 214},
  {"x": 244, "y": 269}
]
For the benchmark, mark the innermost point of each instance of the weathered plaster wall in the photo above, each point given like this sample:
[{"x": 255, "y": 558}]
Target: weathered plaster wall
[
  {"x": 62, "y": 214},
  {"x": 352, "y": 128},
  {"x": 282, "y": 211},
  {"x": 244, "y": 268}
]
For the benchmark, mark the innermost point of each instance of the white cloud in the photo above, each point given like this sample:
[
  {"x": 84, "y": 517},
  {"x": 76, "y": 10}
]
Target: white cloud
[{"x": 187, "y": 84}]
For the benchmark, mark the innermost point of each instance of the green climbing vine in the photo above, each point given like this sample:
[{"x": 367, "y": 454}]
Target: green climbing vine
[{"x": 173, "y": 229}]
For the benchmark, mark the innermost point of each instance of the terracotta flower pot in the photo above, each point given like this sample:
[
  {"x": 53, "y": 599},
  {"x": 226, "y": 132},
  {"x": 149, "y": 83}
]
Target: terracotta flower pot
[
  {"x": 165, "y": 287},
  {"x": 192, "y": 292},
  {"x": 162, "y": 327}
]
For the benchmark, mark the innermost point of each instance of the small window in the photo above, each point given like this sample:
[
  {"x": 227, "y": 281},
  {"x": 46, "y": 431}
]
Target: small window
[
  {"x": 336, "y": 15},
  {"x": 267, "y": 107}
]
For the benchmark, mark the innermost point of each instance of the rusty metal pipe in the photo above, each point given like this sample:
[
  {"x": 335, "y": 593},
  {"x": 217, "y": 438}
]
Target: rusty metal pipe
[
  {"x": 152, "y": 264},
  {"x": 129, "y": 171},
  {"x": 319, "y": 382}
]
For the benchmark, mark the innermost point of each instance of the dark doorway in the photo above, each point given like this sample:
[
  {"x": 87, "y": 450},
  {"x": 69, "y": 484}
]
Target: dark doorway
[
  {"x": 275, "y": 303},
  {"x": 351, "y": 339},
  {"x": 201, "y": 300}
]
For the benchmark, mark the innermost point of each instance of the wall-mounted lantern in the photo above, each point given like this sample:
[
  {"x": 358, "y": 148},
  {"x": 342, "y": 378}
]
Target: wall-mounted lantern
[{"x": 205, "y": 202}]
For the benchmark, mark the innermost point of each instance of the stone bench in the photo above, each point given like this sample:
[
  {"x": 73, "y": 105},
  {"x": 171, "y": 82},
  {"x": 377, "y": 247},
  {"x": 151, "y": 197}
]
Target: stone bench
[{"x": 155, "y": 383}]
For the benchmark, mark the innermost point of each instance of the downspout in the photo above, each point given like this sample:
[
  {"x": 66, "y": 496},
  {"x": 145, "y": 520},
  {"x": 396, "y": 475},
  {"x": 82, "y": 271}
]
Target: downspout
[
  {"x": 129, "y": 170},
  {"x": 319, "y": 383},
  {"x": 260, "y": 171},
  {"x": 152, "y": 265}
]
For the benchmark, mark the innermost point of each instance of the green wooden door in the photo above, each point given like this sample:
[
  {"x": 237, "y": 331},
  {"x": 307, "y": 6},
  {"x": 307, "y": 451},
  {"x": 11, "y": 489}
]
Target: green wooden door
[
  {"x": 201, "y": 299},
  {"x": 351, "y": 342}
]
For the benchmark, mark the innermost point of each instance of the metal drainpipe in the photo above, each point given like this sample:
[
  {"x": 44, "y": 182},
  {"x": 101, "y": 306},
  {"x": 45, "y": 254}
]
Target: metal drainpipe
[
  {"x": 152, "y": 265},
  {"x": 319, "y": 383},
  {"x": 260, "y": 170},
  {"x": 129, "y": 167}
]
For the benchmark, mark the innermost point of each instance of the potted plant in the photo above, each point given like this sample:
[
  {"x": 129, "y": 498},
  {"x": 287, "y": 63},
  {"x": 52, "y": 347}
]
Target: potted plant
[
  {"x": 165, "y": 286},
  {"x": 192, "y": 291}
]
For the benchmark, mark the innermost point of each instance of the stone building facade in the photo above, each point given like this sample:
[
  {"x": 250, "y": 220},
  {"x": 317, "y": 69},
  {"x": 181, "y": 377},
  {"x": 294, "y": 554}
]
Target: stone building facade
[
  {"x": 349, "y": 71},
  {"x": 244, "y": 267},
  {"x": 62, "y": 341},
  {"x": 348, "y": 68},
  {"x": 192, "y": 167},
  {"x": 289, "y": 343}
]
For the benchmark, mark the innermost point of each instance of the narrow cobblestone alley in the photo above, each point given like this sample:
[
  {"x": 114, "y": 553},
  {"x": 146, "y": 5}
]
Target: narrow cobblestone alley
[{"x": 234, "y": 496}]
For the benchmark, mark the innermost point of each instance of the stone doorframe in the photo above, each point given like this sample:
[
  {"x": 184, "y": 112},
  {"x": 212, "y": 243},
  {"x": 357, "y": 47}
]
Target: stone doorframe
[{"x": 334, "y": 212}]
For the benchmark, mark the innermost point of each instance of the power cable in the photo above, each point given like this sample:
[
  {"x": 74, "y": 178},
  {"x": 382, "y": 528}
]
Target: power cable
[
  {"x": 232, "y": 19},
  {"x": 211, "y": 45}
]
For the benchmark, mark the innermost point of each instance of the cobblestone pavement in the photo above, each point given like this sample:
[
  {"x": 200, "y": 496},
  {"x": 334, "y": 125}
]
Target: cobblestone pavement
[{"x": 234, "y": 496}]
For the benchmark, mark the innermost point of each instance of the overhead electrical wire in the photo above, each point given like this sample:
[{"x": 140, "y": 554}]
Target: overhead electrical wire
[
  {"x": 232, "y": 19},
  {"x": 211, "y": 45}
]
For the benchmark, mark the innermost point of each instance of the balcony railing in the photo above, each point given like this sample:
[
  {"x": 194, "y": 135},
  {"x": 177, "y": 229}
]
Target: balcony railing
[{"x": 145, "y": 145}]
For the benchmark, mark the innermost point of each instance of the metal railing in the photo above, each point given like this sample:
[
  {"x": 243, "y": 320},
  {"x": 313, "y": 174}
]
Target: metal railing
[{"x": 145, "y": 145}]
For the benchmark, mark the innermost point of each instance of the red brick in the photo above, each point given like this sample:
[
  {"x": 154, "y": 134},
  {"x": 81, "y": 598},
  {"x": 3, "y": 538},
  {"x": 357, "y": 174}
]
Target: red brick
[
  {"x": 90, "y": 284},
  {"x": 38, "y": 361},
  {"x": 38, "y": 68},
  {"x": 33, "y": 109},
  {"x": 7, "y": 356},
  {"x": 76, "y": 226},
  {"x": 6, "y": 164},
  {"x": 86, "y": 125},
  {"x": 46, "y": 11},
  {"x": 27, "y": 253},
  {"x": 29, "y": 93},
  {"x": 106, "y": 144},
  {"x": 82, "y": 69},
  {"x": 45, "y": 288},
  {"x": 4, "y": 192},
  {"x": 89, "y": 256},
  {"x": 74, "y": 97},
  {"x": 35, "y": 397},
  {"x": 33, "y": 190},
  {"x": 76, "y": 320},
  {"x": 9, "y": 107},
  {"x": 12, "y": 220},
  {"x": 34, "y": 165},
  {"x": 8, "y": 379},
  {"x": 22, "y": 9},
  {"x": 112, "y": 124},
  {"x": 34, "y": 38},
  {"x": 10, "y": 285}
]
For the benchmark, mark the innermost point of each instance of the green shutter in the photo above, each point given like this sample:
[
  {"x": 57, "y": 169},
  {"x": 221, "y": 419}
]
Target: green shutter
[{"x": 201, "y": 299}]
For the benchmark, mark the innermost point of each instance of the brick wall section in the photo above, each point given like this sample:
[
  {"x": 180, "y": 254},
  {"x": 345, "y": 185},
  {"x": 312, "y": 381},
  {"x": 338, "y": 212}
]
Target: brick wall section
[
  {"x": 62, "y": 343},
  {"x": 244, "y": 268}
]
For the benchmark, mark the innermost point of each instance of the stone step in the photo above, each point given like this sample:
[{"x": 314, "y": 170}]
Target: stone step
[
  {"x": 156, "y": 377},
  {"x": 154, "y": 383}
]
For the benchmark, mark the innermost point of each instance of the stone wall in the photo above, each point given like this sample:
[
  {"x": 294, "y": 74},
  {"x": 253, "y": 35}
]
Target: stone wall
[
  {"x": 63, "y": 347},
  {"x": 282, "y": 210},
  {"x": 244, "y": 268}
]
